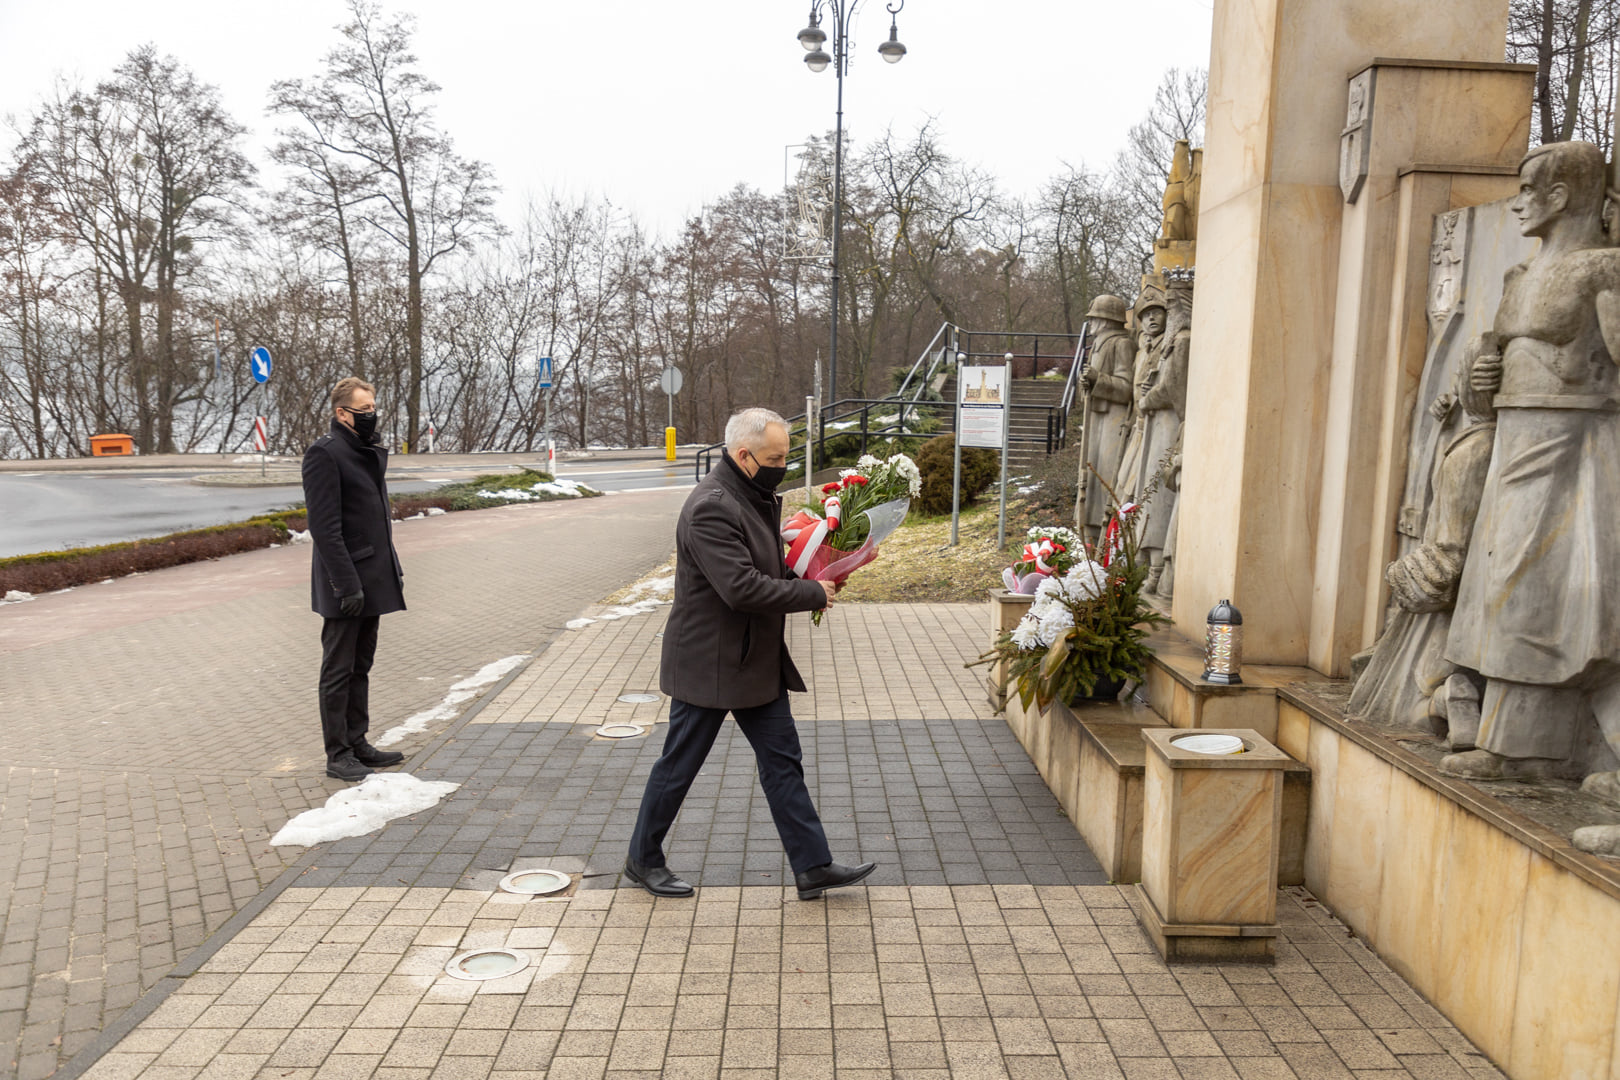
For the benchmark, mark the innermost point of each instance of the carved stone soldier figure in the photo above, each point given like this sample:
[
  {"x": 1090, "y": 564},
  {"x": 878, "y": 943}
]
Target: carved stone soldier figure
[
  {"x": 1408, "y": 682},
  {"x": 1161, "y": 401},
  {"x": 1150, "y": 319},
  {"x": 1107, "y": 380},
  {"x": 1538, "y": 612}
]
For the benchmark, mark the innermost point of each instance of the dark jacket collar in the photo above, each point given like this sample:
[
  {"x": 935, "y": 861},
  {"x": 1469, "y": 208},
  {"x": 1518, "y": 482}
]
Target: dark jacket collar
[
  {"x": 347, "y": 434},
  {"x": 734, "y": 480}
]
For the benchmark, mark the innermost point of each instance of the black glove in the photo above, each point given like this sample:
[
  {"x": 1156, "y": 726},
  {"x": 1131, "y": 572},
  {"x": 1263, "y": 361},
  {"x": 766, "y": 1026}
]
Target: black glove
[{"x": 353, "y": 605}]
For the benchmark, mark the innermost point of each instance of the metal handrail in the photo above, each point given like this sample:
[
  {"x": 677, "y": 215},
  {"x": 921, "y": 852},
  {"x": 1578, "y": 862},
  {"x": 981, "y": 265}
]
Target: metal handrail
[
  {"x": 703, "y": 460},
  {"x": 1082, "y": 355},
  {"x": 927, "y": 374}
]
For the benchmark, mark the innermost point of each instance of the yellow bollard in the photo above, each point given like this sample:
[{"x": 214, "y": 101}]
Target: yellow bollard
[{"x": 669, "y": 444}]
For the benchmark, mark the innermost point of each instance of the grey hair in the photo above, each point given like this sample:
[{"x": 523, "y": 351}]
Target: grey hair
[{"x": 746, "y": 428}]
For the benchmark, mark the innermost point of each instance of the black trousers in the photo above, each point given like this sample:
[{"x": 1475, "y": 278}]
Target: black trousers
[
  {"x": 770, "y": 730},
  {"x": 348, "y": 647}
]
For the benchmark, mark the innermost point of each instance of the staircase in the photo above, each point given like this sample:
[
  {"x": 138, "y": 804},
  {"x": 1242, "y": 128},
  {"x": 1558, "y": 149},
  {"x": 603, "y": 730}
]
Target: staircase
[{"x": 1027, "y": 425}]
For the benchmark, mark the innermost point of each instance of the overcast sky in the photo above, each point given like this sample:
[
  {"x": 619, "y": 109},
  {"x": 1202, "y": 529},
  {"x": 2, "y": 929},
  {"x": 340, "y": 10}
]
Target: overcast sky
[{"x": 663, "y": 106}]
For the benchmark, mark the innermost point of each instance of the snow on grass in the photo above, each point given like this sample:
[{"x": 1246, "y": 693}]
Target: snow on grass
[
  {"x": 460, "y": 693},
  {"x": 16, "y": 596},
  {"x": 567, "y": 489},
  {"x": 362, "y": 809}
]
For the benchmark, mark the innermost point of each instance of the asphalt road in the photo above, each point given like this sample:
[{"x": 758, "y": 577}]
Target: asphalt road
[{"x": 51, "y": 510}]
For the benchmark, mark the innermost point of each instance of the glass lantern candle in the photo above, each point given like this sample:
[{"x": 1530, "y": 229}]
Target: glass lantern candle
[{"x": 1223, "y": 645}]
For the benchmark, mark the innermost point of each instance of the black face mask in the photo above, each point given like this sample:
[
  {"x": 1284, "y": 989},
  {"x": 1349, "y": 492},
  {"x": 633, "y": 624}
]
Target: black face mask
[
  {"x": 365, "y": 424},
  {"x": 768, "y": 477}
]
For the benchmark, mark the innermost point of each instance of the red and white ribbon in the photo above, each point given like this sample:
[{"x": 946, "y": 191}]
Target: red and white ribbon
[
  {"x": 806, "y": 531},
  {"x": 1111, "y": 538},
  {"x": 1038, "y": 553}
]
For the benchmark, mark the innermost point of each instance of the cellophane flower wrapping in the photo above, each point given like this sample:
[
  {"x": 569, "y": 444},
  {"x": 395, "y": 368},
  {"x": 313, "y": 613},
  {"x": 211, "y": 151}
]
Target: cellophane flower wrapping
[{"x": 873, "y": 499}]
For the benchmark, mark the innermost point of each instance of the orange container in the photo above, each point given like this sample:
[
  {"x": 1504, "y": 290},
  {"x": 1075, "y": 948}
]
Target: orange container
[{"x": 111, "y": 445}]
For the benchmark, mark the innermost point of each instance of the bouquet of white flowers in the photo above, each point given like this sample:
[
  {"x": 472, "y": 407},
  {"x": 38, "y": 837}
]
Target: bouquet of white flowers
[
  {"x": 857, "y": 512},
  {"x": 1088, "y": 626}
]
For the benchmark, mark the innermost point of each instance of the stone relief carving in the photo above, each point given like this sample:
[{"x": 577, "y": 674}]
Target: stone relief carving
[
  {"x": 1108, "y": 402},
  {"x": 1354, "y": 144},
  {"x": 1180, "y": 205},
  {"x": 1408, "y": 682},
  {"x": 1161, "y": 402},
  {"x": 1150, "y": 318},
  {"x": 1537, "y": 614}
]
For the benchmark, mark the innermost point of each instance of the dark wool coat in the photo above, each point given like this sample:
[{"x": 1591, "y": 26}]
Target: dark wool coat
[
  {"x": 723, "y": 645},
  {"x": 350, "y": 524}
]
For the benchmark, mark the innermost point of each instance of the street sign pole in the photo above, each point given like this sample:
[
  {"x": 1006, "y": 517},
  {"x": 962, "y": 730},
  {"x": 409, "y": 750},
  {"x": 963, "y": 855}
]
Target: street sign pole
[
  {"x": 259, "y": 366},
  {"x": 670, "y": 381},
  {"x": 543, "y": 373},
  {"x": 1006, "y": 425}
]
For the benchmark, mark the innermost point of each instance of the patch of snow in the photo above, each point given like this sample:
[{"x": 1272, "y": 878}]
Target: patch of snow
[
  {"x": 489, "y": 673},
  {"x": 435, "y": 511},
  {"x": 16, "y": 596},
  {"x": 570, "y": 489},
  {"x": 460, "y": 693},
  {"x": 296, "y": 537},
  {"x": 414, "y": 517},
  {"x": 364, "y": 808},
  {"x": 620, "y": 611}
]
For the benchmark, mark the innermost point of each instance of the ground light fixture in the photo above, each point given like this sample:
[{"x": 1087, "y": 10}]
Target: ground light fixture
[
  {"x": 481, "y": 965},
  {"x": 841, "y": 13},
  {"x": 536, "y": 881}
]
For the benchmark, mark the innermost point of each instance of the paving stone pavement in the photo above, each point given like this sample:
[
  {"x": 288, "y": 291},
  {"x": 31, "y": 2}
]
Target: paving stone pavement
[
  {"x": 933, "y": 797},
  {"x": 160, "y": 728},
  {"x": 964, "y": 982},
  {"x": 1025, "y": 965}
]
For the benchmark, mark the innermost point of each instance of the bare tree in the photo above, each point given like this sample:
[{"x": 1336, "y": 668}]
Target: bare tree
[
  {"x": 1143, "y": 166},
  {"x": 372, "y": 110},
  {"x": 1575, "y": 45}
]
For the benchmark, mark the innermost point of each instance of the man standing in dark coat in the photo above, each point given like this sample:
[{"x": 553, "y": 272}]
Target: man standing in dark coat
[
  {"x": 356, "y": 576},
  {"x": 724, "y": 652}
]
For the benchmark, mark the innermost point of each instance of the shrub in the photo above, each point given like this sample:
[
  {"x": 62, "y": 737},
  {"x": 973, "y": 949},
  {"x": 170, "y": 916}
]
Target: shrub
[
  {"x": 52, "y": 570},
  {"x": 937, "y": 463}
]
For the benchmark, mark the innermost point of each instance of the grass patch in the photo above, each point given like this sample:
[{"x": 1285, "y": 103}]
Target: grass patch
[{"x": 918, "y": 566}]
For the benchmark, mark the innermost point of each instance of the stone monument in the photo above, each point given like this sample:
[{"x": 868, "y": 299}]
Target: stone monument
[
  {"x": 1408, "y": 683},
  {"x": 1107, "y": 416},
  {"x": 1150, "y": 319},
  {"x": 1537, "y": 613},
  {"x": 1178, "y": 230},
  {"x": 1161, "y": 403}
]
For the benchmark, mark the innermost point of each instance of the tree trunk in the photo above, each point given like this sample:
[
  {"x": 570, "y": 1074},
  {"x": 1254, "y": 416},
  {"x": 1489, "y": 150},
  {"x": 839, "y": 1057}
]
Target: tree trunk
[
  {"x": 1577, "y": 70},
  {"x": 1544, "y": 62}
]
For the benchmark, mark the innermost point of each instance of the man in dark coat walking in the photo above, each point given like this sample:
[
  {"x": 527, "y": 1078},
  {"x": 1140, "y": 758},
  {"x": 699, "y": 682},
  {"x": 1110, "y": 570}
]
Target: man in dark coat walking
[
  {"x": 724, "y": 652},
  {"x": 356, "y": 577}
]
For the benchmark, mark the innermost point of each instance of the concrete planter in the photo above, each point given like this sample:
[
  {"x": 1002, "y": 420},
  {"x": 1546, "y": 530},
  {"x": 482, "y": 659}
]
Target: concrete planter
[
  {"x": 1006, "y": 609},
  {"x": 1210, "y": 832}
]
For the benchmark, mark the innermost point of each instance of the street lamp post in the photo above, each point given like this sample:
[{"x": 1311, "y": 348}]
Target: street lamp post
[{"x": 813, "y": 37}]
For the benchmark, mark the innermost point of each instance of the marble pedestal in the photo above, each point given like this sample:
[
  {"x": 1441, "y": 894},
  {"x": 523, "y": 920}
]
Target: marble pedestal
[
  {"x": 1210, "y": 834},
  {"x": 1006, "y": 609}
]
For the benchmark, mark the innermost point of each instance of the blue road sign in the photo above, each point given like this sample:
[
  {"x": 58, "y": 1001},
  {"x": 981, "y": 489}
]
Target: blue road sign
[
  {"x": 259, "y": 364},
  {"x": 545, "y": 373}
]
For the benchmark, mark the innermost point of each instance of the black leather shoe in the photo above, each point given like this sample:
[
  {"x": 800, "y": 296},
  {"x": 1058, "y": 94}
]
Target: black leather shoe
[
  {"x": 658, "y": 880},
  {"x": 346, "y": 767},
  {"x": 812, "y": 883},
  {"x": 366, "y": 754}
]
